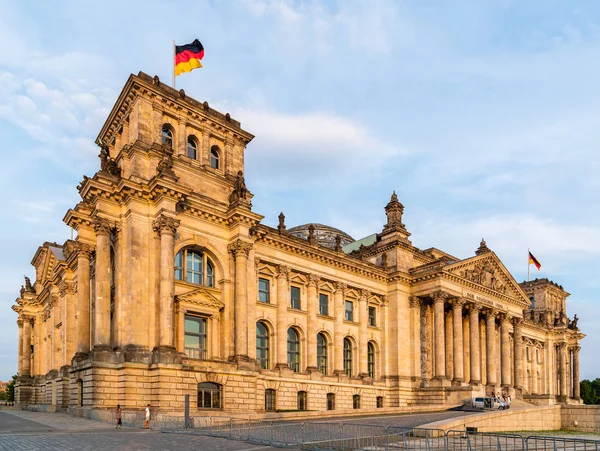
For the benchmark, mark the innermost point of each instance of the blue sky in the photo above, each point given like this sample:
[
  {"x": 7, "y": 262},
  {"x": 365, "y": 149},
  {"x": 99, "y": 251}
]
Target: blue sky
[{"x": 483, "y": 116}]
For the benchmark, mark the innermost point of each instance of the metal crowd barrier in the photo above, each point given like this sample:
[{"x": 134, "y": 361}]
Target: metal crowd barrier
[{"x": 363, "y": 437}]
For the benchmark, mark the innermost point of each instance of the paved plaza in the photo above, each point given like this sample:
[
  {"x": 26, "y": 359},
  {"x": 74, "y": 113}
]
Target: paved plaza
[{"x": 24, "y": 430}]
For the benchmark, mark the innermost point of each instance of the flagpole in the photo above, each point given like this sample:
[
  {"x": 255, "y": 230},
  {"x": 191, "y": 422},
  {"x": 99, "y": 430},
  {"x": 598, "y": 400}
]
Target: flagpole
[
  {"x": 174, "y": 56},
  {"x": 528, "y": 264}
]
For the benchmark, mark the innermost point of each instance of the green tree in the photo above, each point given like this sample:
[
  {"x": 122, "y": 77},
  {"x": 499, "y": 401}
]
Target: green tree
[
  {"x": 10, "y": 389},
  {"x": 590, "y": 391}
]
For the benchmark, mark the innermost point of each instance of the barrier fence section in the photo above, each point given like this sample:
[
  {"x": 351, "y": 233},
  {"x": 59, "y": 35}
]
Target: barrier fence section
[{"x": 363, "y": 437}]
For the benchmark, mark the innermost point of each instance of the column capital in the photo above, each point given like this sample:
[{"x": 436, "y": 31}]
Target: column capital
[
  {"x": 490, "y": 312},
  {"x": 283, "y": 271},
  {"x": 340, "y": 286},
  {"x": 103, "y": 226},
  {"x": 504, "y": 318},
  {"x": 364, "y": 295},
  {"x": 166, "y": 224},
  {"x": 439, "y": 296},
  {"x": 313, "y": 280},
  {"x": 561, "y": 345},
  {"x": 240, "y": 247},
  {"x": 83, "y": 249},
  {"x": 458, "y": 302},
  {"x": 20, "y": 323},
  {"x": 66, "y": 288},
  {"x": 472, "y": 307},
  {"x": 414, "y": 301},
  {"x": 576, "y": 349},
  {"x": 517, "y": 321}
]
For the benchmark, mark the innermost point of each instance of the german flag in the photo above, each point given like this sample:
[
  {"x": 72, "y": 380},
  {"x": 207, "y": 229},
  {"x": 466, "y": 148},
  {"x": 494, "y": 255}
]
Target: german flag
[
  {"x": 534, "y": 261},
  {"x": 187, "y": 57}
]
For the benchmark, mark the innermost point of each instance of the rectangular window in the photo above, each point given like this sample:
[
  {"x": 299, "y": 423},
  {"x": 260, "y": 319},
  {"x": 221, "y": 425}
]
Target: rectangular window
[
  {"x": 295, "y": 298},
  {"x": 323, "y": 304},
  {"x": 270, "y": 400},
  {"x": 372, "y": 316},
  {"x": 195, "y": 337},
  {"x": 263, "y": 290},
  {"x": 349, "y": 310}
]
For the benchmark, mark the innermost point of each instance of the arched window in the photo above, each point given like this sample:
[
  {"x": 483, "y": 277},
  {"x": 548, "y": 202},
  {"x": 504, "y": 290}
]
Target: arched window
[
  {"x": 262, "y": 345},
  {"x": 209, "y": 396},
  {"x": 192, "y": 148},
  {"x": 270, "y": 400},
  {"x": 302, "y": 403},
  {"x": 167, "y": 136},
  {"x": 215, "y": 157},
  {"x": 194, "y": 267},
  {"x": 371, "y": 359},
  {"x": 347, "y": 356},
  {"x": 293, "y": 348},
  {"x": 322, "y": 354},
  {"x": 356, "y": 401},
  {"x": 330, "y": 401}
]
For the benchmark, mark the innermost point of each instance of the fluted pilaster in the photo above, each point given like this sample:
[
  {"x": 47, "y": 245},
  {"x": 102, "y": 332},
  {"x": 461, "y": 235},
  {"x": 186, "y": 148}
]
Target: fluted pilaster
[{"x": 240, "y": 250}]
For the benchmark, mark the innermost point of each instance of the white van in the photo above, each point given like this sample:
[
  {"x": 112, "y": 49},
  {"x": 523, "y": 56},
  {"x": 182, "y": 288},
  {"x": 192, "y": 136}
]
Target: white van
[{"x": 487, "y": 402}]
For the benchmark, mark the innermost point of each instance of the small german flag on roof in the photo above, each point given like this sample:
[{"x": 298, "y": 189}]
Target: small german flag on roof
[{"x": 187, "y": 57}]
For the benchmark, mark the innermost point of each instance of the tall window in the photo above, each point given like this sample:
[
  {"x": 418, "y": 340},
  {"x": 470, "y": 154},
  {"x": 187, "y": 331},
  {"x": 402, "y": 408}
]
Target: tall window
[
  {"x": 302, "y": 400},
  {"x": 215, "y": 157},
  {"x": 330, "y": 401},
  {"x": 293, "y": 348},
  {"x": 347, "y": 356},
  {"x": 167, "y": 136},
  {"x": 356, "y": 401},
  {"x": 192, "y": 148},
  {"x": 379, "y": 402},
  {"x": 322, "y": 353},
  {"x": 349, "y": 311},
  {"x": 262, "y": 345},
  {"x": 295, "y": 298},
  {"x": 264, "y": 290},
  {"x": 209, "y": 396},
  {"x": 323, "y": 304},
  {"x": 195, "y": 337},
  {"x": 194, "y": 267},
  {"x": 270, "y": 400},
  {"x": 371, "y": 359},
  {"x": 372, "y": 316}
]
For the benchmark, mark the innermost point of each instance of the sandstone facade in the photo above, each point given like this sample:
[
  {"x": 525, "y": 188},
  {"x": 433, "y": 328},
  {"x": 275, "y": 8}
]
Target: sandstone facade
[{"x": 174, "y": 287}]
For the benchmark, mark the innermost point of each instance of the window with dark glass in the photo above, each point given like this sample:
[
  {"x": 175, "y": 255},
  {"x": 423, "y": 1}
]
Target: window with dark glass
[
  {"x": 349, "y": 311},
  {"x": 293, "y": 348},
  {"x": 209, "y": 396},
  {"x": 322, "y": 353},
  {"x": 270, "y": 400},
  {"x": 215, "y": 156},
  {"x": 371, "y": 359},
  {"x": 194, "y": 267},
  {"x": 347, "y": 356},
  {"x": 263, "y": 290},
  {"x": 167, "y": 136},
  {"x": 262, "y": 345},
  {"x": 192, "y": 148},
  {"x": 356, "y": 401},
  {"x": 372, "y": 316},
  {"x": 323, "y": 304},
  {"x": 302, "y": 400},
  {"x": 295, "y": 298},
  {"x": 195, "y": 337},
  {"x": 330, "y": 401},
  {"x": 379, "y": 402}
]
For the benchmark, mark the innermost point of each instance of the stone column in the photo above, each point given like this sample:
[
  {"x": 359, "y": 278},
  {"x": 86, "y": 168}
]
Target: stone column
[
  {"x": 448, "y": 322},
  {"x": 440, "y": 351},
  {"x": 363, "y": 338},
  {"x": 563, "y": 369},
  {"x": 338, "y": 331},
  {"x": 83, "y": 300},
  {"x": 312, "y": 308},
  {"x": 283, "y": 296},
  {"x": 20, "y": 347},
  {"x": 576, "y": 391},
  {"x": 26, "y": 371},
  {"x": 457, "y": 340},
  {"x": 518, "y": 351},
  {"x": 240, "y": 250},
  {"x": 166, "y": 227},
  {"x": 102, "y": 307},
  {"x": 180, "y": 312},
  {"x": 474, "y": 342},
  {"x": 490, "y": 346},
  {"x": 415, "y": 310},
  {"x": 505, "y": 343}
]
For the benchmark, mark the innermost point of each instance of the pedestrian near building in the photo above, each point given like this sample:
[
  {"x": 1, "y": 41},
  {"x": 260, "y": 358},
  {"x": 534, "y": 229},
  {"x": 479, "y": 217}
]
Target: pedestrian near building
[
  {"x": 119, "y": 421},
  {"x": 147, "y": 421}
]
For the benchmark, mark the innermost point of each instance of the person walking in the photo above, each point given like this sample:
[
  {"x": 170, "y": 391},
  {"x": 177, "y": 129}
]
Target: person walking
[
  {"x": 119, "y": 421},
  {"x": 147, "y": 421}
]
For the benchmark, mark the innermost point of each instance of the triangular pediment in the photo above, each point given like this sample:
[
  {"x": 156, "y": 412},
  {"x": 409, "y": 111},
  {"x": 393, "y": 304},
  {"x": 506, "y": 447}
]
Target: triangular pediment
[
  {"x": 489, "y": 273},
  {"x": 202, "y": 296},
  {"x": 45, "y": 261}
]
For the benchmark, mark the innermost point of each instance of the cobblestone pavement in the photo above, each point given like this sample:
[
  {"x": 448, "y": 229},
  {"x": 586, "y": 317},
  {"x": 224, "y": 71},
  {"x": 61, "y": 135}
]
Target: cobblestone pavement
[{"x": 32, "y": 431}]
